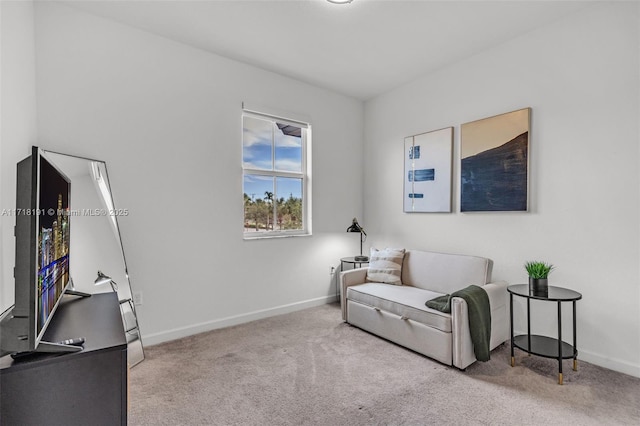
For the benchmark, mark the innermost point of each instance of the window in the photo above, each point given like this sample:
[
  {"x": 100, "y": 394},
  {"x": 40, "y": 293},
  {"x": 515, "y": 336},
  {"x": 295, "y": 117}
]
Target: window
[{"x": 275, "y": 176}]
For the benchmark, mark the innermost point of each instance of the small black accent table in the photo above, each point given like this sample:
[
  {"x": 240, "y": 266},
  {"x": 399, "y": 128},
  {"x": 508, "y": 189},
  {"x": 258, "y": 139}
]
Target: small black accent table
[
  {"x": 349, "y": 261},
  {"x": 544, "y": 346},
  {"x": 352, "y": 261}
]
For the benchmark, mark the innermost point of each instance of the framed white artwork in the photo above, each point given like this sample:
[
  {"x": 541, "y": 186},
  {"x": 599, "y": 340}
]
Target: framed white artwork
[{"x": 428, "y": 171}]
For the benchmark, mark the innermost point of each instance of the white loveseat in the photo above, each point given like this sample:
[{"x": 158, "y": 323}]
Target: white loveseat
[{"x": 398, "y": 312}]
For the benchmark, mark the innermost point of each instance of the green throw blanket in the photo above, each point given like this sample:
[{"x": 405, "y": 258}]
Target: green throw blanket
[{"x": 479, "y": 316}]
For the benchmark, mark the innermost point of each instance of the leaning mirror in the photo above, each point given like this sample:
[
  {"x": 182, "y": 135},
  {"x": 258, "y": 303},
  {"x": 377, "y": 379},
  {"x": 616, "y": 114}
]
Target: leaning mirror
[{"x": 99, "y": 263}]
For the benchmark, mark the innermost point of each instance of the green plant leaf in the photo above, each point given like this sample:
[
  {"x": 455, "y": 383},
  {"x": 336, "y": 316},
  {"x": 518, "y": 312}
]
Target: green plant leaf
[{"x": 537, "y": 269}]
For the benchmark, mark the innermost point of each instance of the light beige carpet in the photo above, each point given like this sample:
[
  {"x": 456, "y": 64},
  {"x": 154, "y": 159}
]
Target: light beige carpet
[{"x": 310, "y": 368}]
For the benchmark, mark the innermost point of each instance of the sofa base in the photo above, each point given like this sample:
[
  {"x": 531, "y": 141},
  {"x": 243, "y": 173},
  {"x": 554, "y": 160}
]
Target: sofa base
[{"x": 423, "y": 339}]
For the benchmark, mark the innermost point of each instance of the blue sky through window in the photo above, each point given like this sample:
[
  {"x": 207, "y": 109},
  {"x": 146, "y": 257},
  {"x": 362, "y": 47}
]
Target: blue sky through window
[
  {"x": 257, "y": 143},
  {"x": 287, "y": 187},
  {"x": 260, "y": 137},
  {"x": 288, "y": 152}
]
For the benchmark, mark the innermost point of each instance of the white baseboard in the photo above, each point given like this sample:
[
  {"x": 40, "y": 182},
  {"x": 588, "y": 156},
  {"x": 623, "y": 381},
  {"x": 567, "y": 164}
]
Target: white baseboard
[
  {"x": 177, "y": 333},
  {"x": 610, "y": 363}
]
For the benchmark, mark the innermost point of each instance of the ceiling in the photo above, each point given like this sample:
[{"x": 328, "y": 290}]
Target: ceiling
[{"x": 362, "y": 49}]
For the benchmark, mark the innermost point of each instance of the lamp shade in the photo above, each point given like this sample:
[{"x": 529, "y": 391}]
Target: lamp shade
[
  {"x": 355, "y": 227},
  {"x": 105, "y": 279},
  {"x": 102, "y": 279}
]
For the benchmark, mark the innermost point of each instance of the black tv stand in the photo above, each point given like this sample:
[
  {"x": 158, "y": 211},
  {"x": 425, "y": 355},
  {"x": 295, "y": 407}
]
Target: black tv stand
[{"x": 77, "y": 388}]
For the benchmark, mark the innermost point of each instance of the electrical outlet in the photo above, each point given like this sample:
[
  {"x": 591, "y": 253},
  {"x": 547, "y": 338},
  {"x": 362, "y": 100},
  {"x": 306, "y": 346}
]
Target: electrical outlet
[
  {"x": 137, "y": 298},
  {"x": 333, "y": 270}
]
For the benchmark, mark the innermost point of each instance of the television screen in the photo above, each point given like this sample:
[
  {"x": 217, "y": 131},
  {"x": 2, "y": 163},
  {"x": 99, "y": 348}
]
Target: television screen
[
  {"x": 53, "y": 241},
  {"x": 42, "y": 273}
]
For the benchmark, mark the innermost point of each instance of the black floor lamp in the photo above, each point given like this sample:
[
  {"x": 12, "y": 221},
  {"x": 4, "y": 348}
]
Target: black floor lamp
[{"x": 355, "y": 227}]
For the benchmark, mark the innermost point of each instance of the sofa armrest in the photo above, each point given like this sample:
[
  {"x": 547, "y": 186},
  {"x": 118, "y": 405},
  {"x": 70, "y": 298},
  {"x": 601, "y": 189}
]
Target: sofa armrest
[
  {"x": 463, "y": 354},
  {"x": 461, "y": 345},
  {"x": 497, "y": 292},
  {"x": 349, "y": 278},
  {"x": 498, "y": 301}
]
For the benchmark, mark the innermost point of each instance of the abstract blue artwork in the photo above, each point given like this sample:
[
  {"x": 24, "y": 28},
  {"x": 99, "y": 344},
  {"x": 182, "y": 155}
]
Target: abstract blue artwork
[
  {"x": 414, "y": 152},
  {"x": 494, "y": 163},
  {"x": 428, "y": 171},
  {"x": 422, "y": 175}
]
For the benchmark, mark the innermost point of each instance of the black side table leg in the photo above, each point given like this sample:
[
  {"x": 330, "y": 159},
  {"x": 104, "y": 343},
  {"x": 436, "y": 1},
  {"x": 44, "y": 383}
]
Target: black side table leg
[
  {"x": 528, "y": 326},
  {"x": 559, "y": 343},
  {"x": 575, "y": 347},
  {"x": 513, "y": 359}
]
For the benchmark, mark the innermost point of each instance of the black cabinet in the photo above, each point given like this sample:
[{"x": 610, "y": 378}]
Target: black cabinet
[{"x": 80, "y": 388}]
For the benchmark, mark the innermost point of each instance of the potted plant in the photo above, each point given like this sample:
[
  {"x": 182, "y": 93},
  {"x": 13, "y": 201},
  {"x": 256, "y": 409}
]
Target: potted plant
[{"x": 538, "y": 277}]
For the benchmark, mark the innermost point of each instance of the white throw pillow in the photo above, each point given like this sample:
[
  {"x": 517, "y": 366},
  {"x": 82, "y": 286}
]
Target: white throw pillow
[{"x": 385, "y": 266}]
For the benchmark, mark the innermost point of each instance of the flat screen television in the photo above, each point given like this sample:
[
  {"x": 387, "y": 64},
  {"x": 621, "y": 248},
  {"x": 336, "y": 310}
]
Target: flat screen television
[{"x": 41, "y": 273}]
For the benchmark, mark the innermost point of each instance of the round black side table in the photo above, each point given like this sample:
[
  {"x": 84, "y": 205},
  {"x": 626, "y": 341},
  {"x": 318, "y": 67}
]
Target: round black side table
[
  {"x": 352, "y": 260},
  {"x": 545, "y": 346},
  {"x": 349, "y": 261}
]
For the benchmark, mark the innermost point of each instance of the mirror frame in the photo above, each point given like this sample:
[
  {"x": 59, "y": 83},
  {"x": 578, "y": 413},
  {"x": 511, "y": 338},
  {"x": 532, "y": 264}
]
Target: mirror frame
[{"x": 135, "y": 354}]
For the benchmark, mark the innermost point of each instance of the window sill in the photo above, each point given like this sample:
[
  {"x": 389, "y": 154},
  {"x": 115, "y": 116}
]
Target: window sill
[{"x": 249, "y": 237}]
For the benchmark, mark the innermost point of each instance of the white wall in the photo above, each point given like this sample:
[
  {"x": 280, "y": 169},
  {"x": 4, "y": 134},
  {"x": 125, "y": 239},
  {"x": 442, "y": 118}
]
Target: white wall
[
  {"x": 17, "y": 122},
  {"x": 580, "y": 77},
  {"x": 166, "y": 119}
]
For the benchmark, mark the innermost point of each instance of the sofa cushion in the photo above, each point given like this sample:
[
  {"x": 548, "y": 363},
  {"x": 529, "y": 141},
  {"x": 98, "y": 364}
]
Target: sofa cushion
[
  {"x": 444, "y": 273},
  {"x": 385, "y": 266},
  {"x": 404, "y": 301}
]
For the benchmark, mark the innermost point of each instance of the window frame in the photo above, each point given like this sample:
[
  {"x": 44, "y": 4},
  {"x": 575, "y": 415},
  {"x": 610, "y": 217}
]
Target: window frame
[{"x": 304, "y": 175}]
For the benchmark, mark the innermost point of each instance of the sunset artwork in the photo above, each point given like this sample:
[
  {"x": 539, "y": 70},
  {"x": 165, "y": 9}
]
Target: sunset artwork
[{"x": 494, "y": 163}]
